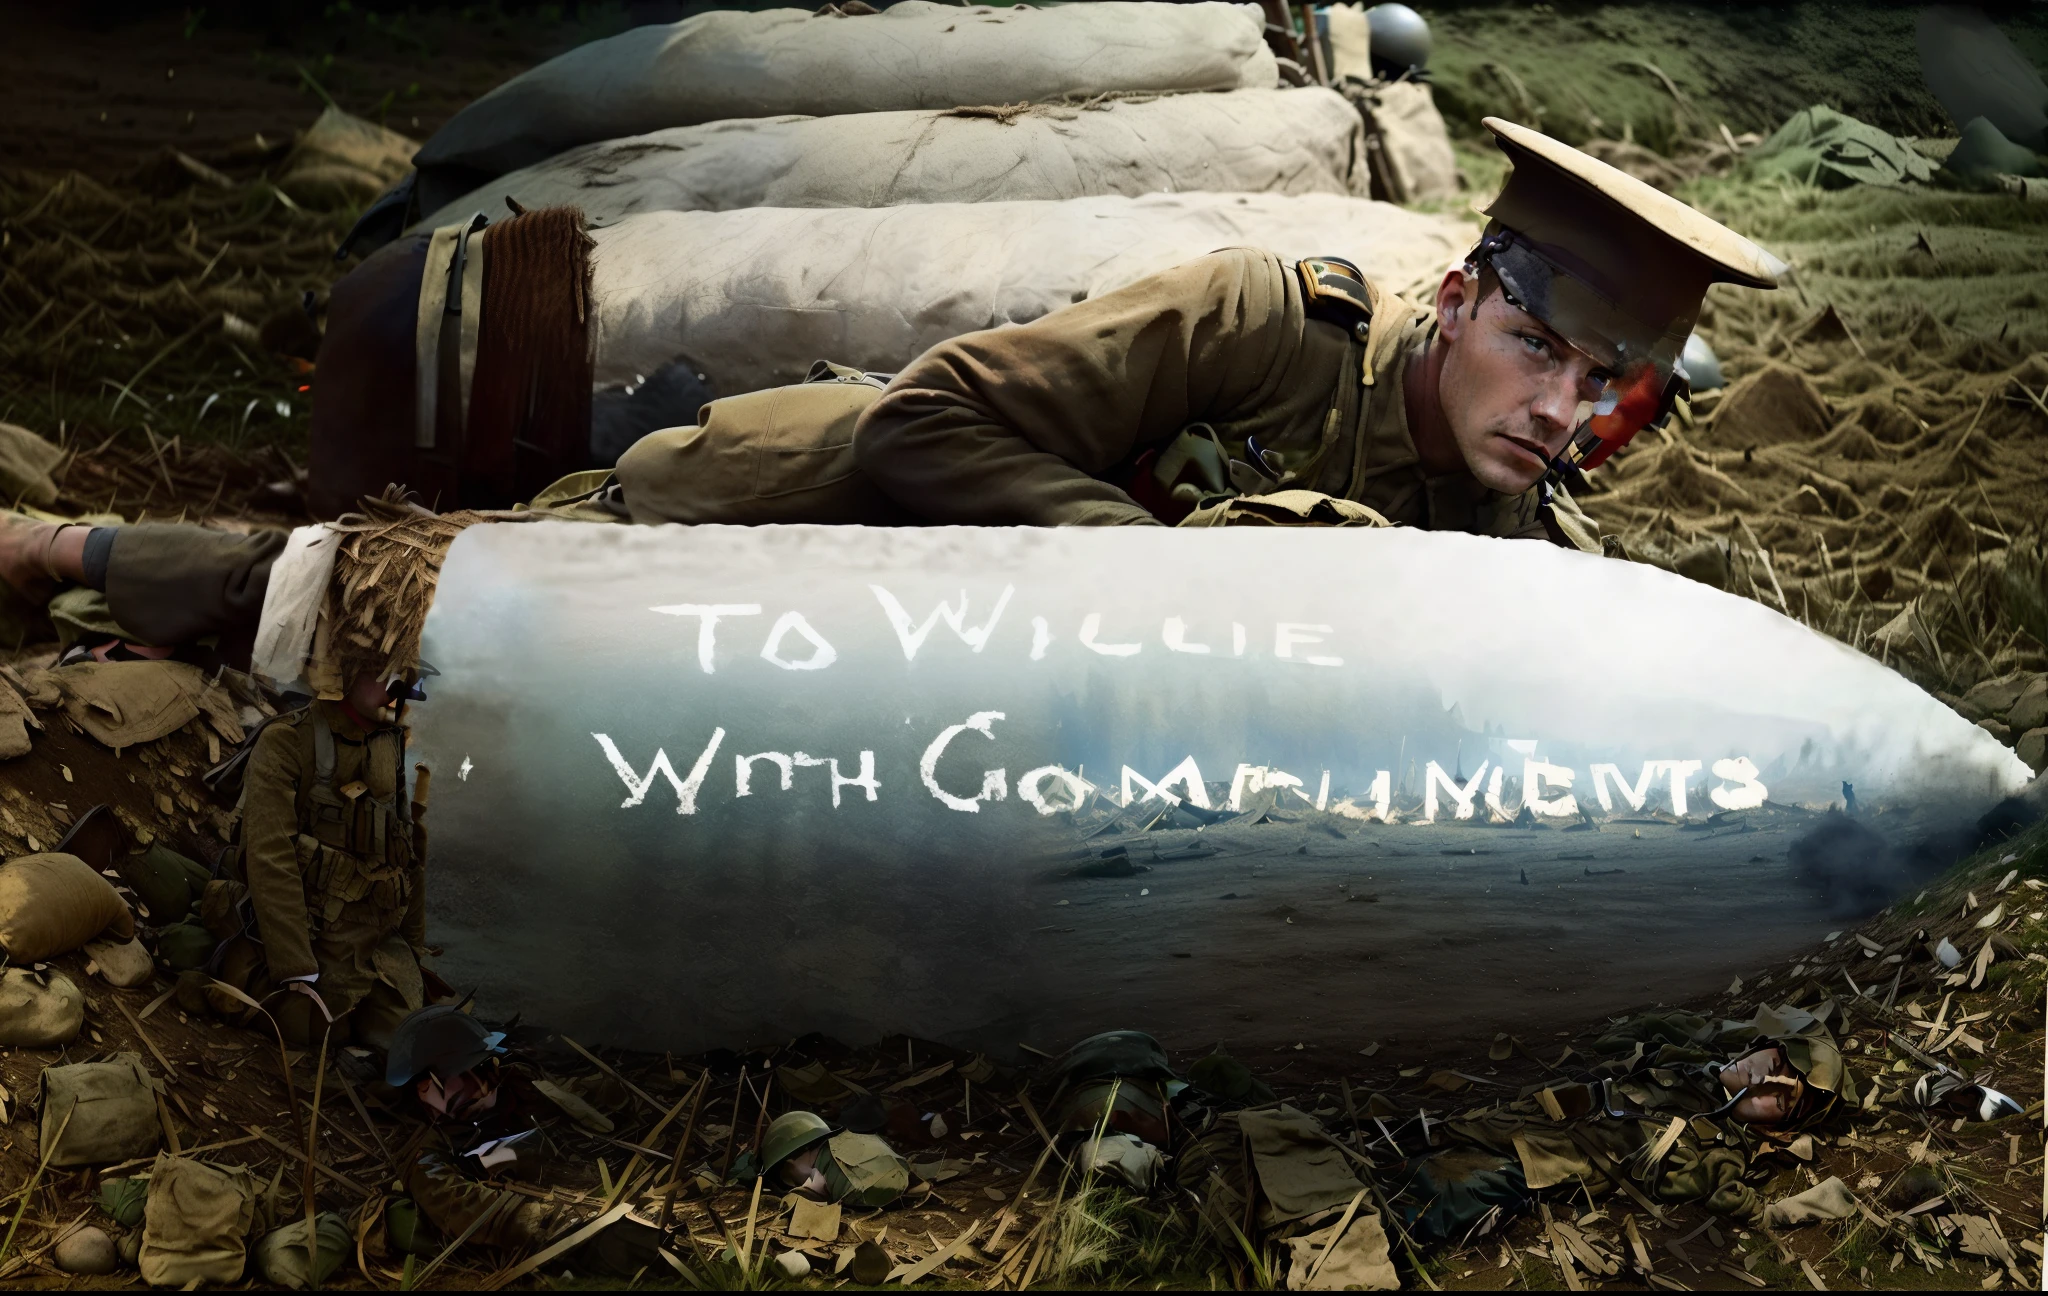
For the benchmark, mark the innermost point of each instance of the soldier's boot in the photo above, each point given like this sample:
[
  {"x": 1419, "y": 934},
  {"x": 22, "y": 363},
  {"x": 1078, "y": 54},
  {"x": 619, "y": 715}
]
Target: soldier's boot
[{"x": 37, "y": 557}]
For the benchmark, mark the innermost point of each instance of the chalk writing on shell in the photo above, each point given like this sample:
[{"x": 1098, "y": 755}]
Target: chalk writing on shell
[
  {"x": 792, "y": 641},
  {"x": 1544, "y": 787},
  {"x": 1101, "y": 633}
]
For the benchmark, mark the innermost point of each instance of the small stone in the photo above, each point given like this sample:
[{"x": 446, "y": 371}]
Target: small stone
[
  {"x": 871, "y": 1265},
  {"x": 1996, "y": 697},
  {"x": 125, "y": 964},
  {"x": 87, "y": 1251},
  {"x": 1997, "y": 729},
  {"x": 2033, "y": 748},
  {"x": 2031, "y": 711},
  {"x": 794, "y": 1264}
]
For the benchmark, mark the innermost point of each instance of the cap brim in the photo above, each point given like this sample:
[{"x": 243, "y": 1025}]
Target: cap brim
[{"x": 1733, "y": 258}]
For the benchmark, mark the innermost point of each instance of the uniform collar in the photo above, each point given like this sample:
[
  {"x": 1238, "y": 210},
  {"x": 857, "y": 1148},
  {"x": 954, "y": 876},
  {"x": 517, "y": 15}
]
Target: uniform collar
[{"x": 340, "y": 720}]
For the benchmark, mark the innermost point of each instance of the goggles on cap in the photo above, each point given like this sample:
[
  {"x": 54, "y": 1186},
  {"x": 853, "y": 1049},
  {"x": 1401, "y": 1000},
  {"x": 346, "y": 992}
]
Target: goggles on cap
[
  {"x": 410, "y": 686},
  {"x": 1646, "y": 377}
]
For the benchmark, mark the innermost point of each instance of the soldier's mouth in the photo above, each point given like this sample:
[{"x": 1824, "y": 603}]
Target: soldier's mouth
[{"x": 1535, "y": 452}]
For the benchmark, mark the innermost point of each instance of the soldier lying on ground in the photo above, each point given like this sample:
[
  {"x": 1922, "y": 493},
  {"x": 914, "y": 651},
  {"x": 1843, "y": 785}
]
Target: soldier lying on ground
[
  {"x": 1171, "y": 400},
  {"x": 1237, "y": 374},
  {"x": 1583, "y": 292}
]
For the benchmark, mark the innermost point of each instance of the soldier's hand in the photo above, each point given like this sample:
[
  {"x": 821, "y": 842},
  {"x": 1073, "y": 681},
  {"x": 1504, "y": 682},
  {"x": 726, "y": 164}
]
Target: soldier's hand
[{"x": 305, "y": 987}]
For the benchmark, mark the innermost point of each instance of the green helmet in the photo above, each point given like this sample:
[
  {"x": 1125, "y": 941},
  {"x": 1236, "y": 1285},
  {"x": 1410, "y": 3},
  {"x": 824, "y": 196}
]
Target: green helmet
[{"x": 790, "y": 1134}]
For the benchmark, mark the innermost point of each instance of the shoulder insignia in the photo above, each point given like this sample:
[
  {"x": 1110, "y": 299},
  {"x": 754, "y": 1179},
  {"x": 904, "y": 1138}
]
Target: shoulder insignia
[{"x": 1335, "y": 292}]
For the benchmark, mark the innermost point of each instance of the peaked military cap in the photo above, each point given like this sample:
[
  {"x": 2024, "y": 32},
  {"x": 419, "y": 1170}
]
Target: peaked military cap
[
  {"x": 1649, "y": 256},
  {"x": 1615, "y": 267}
]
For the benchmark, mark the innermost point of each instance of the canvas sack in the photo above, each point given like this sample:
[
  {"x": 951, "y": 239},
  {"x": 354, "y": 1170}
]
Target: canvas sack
[
  {"x": 196, "y": 1225},
  {"x": 1248, "y": 141},
  {"x": 915, "y": 54},
  {"x": 39, "y": 1010},
  {"x": 754, "y": 297},
  {"x": 105, "y": 1110},
  {"x": 51, "y": 904}
]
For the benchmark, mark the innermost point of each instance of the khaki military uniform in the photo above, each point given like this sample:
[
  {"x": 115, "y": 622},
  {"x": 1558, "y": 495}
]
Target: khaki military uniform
[
  {"x": 334, "y": 885},
  {"x": 780, "y": 455},
  {"x": 1234, "y": 374}
]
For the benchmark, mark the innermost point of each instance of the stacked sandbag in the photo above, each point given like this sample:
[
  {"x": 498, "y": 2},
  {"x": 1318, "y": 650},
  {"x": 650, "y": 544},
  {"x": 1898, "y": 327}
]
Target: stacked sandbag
[
  {"x": 756, "y": 296},
  {"x": 1250, "y": 141},
  {"x": 343, "y": 160},
  {"x": 51, "y": 904},
  {"x": 1409, "y": 145},
  {"x": 915, "y": 54}
]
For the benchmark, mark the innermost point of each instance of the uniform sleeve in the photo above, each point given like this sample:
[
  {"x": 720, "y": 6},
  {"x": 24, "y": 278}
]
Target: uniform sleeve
[
  {"x": 270, "y": 823},
  {"x": 168, "y": 584},
  {"x": 415, "y": 927},
  {"x": 1015, "y": 426}
]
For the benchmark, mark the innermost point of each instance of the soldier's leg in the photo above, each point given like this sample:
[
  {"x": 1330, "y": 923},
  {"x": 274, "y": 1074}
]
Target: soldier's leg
[
  {"x": 165, "y": 584},
  {"x": 780, "y": 455},
  {"x": 173, "y": 584},
  {"x": 376, "y": 1016}
]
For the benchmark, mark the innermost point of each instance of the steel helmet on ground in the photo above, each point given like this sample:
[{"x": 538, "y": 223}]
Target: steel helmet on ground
[
  {"x": 440, "y": 1038},
  {"x": 789, "y": 1134},
  {"x": 1400, "y": 40}
]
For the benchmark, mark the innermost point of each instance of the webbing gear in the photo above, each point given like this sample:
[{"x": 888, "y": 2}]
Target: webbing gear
[
  {"x": 397, "y": 803},
  {"x": 347, "y": 851},
  {"x": 451, "y": 292}
]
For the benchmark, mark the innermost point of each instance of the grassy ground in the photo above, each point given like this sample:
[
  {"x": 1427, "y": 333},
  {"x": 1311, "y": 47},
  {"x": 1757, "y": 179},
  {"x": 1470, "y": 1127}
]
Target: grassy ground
[{"x": 1662, "y": 71}]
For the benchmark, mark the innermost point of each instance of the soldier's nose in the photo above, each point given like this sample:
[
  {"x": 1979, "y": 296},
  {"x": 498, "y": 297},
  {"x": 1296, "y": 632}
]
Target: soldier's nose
[{"x": 1556, "y": 407}]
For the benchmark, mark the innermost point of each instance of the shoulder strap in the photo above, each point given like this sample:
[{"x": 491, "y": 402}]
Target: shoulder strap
[
  {"x": 393, "y": 741},
  {"x": 323, "y": 751},
  {"x": 226, "y": 777},
  {"x": 1334, "y": 291}
]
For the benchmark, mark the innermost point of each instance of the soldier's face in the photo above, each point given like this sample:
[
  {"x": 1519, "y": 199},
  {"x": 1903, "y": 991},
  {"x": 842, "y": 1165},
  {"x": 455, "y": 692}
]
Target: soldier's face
[
  {"x": 370, "y": 698},
  {"x": 1511, "y": 389},
  {"x": 1773, "y": 1089}
]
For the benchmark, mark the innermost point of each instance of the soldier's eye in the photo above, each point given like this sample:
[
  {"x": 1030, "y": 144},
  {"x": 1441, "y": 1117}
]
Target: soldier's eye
[{"x": 1536, "y": 345}]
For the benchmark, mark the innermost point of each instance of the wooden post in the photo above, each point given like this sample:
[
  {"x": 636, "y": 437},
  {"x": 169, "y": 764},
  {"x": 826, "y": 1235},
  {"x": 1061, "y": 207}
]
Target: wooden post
[
  {"x": 1315, "y": 43},
  {"x": 1280, "y": 30}
]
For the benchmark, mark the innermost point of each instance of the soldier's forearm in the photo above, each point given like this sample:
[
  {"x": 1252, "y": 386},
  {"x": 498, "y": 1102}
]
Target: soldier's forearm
[
  {"x": 278, "y": 896},
  {"x": 1029, "y": 424},
  {"x": 270, "y": 859},
  {"x": 937, "y": 458}
]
